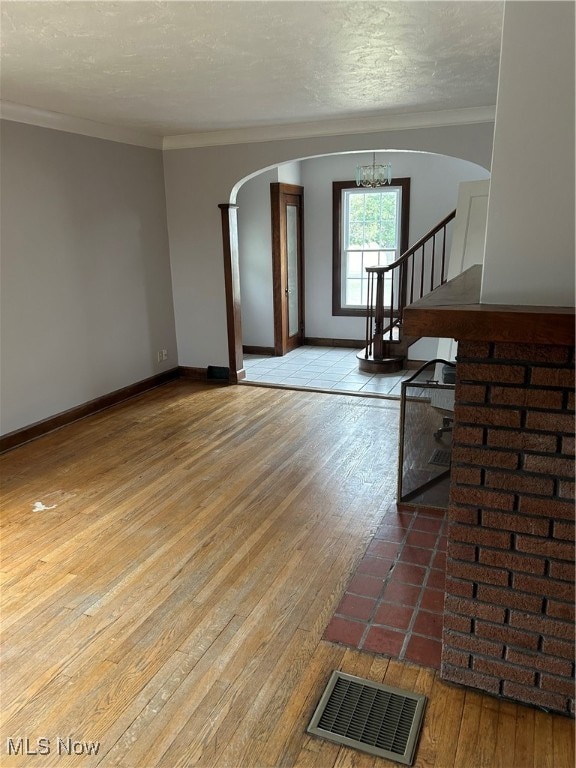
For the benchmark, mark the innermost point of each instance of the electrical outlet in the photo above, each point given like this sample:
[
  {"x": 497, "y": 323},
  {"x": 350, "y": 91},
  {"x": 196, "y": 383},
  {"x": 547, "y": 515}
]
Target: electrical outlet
[
  {"x": 159, "y": 356},
  {"x": 164, "y": 354}
]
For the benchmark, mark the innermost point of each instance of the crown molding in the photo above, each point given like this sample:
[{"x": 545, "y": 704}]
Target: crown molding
[
  {"x": 345, "y": 126},
  {"x": 20, "y": 113}
]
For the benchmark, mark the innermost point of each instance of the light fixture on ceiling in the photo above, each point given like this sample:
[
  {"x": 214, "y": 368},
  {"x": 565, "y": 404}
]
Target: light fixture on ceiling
[{"x": 375, "y": 175}]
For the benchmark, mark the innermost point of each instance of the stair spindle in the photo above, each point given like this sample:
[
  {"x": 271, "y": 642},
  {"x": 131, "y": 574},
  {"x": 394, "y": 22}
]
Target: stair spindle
[{"x": 382, "y": 351}]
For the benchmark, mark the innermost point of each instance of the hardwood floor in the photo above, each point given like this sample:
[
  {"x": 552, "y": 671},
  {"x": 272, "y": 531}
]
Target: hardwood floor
[{"x": 169, "y": 567}]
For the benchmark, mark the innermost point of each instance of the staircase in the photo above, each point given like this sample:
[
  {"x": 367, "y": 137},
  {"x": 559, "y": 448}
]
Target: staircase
[{"x": 417, "y": 272}]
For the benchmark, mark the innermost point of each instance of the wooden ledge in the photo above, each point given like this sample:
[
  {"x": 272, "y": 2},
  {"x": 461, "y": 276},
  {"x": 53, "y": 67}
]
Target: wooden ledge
[{"x": 454, "y": 311}]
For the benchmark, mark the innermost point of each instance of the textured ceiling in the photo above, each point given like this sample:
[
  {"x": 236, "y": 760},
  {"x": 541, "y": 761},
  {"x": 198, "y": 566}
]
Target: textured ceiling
[{"x": 180, "y": 67}]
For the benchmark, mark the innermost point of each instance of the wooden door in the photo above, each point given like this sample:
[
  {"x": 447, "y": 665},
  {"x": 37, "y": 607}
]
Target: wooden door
[{"x": 287, "y": 201}]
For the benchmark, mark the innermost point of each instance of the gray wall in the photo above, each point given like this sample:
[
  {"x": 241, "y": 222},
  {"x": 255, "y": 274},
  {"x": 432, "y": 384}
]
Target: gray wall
[
  {"x": 434, "y": 192},
  {"x": 255, "y": 252},
  {"x": 255, "y": 259},
  {"x": 198, "y": 180},
  {"x": 89, "y": 291},
  {"x": 86, "y": 295}
]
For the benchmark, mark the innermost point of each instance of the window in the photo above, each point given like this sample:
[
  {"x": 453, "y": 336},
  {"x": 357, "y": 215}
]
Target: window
[{"x": 370, "y": 228}]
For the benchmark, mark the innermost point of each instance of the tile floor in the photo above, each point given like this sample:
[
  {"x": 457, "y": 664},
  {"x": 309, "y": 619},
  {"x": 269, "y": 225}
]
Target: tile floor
[
  {"x": 324, "y": 368},
  {"x": 394, "y": 602}
]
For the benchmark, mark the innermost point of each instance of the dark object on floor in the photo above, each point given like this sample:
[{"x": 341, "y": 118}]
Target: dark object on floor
[{"x": 216, "y": 373}]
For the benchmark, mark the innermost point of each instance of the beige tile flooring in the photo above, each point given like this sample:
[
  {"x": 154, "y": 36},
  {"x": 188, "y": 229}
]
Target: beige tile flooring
[{"x": 324, "y": 368}]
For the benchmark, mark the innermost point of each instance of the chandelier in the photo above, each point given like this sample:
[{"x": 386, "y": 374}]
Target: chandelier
[{"x": 375, "y": 175}]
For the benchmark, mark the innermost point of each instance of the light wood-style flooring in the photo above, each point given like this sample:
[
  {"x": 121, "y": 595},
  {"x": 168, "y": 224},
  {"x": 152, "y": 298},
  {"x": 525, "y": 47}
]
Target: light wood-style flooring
[{"x": 169, "y": 567}]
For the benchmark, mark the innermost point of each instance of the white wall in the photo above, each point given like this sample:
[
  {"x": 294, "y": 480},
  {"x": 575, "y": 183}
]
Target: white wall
[
  {"x": 86, "y": 297},
  {"x": 434, "y": 190},
  {"x": 290, "y": 173},
  {"x": 255, "y": 253},
  {"x": 530, "y": 232},
  {"x": 255, "y": 258},
  {"x": 434, "y": 184},
  {"x": 198, "y": 180}
]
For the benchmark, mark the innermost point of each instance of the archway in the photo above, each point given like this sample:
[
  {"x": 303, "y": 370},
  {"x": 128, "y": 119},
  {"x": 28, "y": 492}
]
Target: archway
[{"x": 434, "y": 173}]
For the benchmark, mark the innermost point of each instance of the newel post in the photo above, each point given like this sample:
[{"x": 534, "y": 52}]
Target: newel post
[{"x": 378, "y": 338}]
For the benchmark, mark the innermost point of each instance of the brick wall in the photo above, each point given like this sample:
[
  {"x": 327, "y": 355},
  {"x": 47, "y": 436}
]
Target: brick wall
[{"x": 509, "y": 609}]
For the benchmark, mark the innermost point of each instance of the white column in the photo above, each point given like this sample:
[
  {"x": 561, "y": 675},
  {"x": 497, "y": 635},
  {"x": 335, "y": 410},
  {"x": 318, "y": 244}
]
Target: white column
[{"x": 529, "y": 256}]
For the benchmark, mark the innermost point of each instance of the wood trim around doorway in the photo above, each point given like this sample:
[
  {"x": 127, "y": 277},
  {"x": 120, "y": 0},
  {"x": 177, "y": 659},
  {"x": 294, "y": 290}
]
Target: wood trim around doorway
[{"x": 279, "y": 276}]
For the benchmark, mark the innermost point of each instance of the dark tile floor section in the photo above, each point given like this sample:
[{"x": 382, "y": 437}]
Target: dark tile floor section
[{"x": 394, "y": 602}]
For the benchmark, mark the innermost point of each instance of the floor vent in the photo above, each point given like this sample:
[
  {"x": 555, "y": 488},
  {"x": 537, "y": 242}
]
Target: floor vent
[
  {"x": 441, "y": 457},
  {"x": 371, "y": 717}
]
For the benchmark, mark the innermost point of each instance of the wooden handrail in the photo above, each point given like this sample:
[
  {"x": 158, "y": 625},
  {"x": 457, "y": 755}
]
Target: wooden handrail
[
  {"x": 413, "y": 248},
  {"x": 382, "y": 320}
]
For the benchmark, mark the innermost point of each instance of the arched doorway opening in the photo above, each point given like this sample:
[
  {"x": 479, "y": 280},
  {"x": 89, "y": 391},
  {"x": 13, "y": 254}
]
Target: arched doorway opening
[{"x": 435, "y": 188}]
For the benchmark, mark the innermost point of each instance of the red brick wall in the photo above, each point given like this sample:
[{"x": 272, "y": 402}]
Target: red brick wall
[{"x": 509, "y": 610}]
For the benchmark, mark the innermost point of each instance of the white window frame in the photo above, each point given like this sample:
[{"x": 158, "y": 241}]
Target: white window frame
[
  {"x": 339, "y": 270},
  {"x": 369, "y": 256}
]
